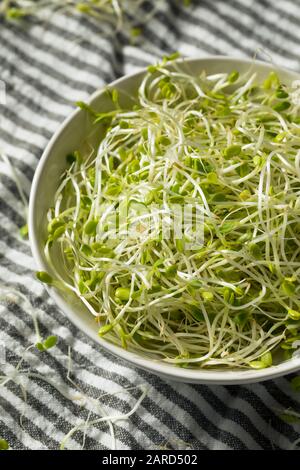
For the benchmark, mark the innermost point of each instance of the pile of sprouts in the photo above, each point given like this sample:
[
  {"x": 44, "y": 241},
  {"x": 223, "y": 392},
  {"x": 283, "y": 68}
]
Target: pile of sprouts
[{"x": 227, "y": 144}]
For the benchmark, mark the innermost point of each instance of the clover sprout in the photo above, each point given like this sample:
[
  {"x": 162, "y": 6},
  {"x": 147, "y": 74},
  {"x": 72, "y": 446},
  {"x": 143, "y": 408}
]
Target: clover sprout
[
  {"x": 295, "y": 382},
  {"x": 123, "y": 15},
  {"x": 4, "y": 445},
  {"x": 44, "y": 277}
]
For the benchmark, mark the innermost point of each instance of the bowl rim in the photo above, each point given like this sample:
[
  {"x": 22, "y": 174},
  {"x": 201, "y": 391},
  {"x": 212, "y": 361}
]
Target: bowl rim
[{"x": 213, "y": 377}]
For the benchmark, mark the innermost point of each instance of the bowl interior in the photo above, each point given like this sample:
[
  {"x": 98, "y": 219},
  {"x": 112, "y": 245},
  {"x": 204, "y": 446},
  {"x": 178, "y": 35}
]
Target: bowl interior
[{"x": 70, "y": 137}]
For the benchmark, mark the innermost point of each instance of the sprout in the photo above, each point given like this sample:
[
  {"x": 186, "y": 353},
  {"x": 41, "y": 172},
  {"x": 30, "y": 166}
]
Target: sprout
[
  {"x": 233, "y": 76},
  {"x": 24, "y": 231},
  {"x": 225, "y": 143},
  {"x": 122, "y": 293},
  {"x": 295, "y": 383},
  {"x": 290, "y": 417},
  {"x": 288, "y": 288},
  {"x": 232, "y": 151},
  {"x": 49, "y": 343},
  {"x": 265, "y": 361},
  {"x": 92, "y": 405},
  {"x": 90, "y": 227}
]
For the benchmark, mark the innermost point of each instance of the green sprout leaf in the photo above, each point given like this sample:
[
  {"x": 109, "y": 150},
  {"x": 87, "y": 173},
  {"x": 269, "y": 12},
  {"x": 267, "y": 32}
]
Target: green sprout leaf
[
  {"x": 288, "y": 288},
  {"x": 105, "y": 329},
  {"x": 295, "y": 383},
  {"x": 265, "y": 361},
  {"x": 233, "y": 76},
  {"x": 50, "y": 342},
  {"x": 44, "y": 277},
  {"x": 86, "y": 107}
]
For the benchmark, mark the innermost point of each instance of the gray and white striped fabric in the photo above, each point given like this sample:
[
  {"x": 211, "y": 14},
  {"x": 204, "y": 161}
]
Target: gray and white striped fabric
[{"x": 46, "y": 68}]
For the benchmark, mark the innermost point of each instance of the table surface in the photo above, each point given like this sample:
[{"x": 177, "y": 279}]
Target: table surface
[{"x": 46, "y": 67}]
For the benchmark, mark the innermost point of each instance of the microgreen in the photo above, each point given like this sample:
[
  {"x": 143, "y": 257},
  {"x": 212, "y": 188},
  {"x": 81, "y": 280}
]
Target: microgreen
[
  {"x": 227, "y": 142},
  {"x": 24, "y": 231},
  {"x": 295, "y": 383}
]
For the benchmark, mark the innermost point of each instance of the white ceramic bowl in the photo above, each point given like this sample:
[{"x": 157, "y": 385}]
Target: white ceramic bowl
[{"x": 67, "y": 139}]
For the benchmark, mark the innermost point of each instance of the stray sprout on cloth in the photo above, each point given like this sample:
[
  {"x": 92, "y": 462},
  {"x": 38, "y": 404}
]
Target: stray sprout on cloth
[
  {"x": 123, "y": 15},
  {"x": 22, "y": 376},
  {"x": 49, "y": 343},
  {"x": 227, "y": 142}
]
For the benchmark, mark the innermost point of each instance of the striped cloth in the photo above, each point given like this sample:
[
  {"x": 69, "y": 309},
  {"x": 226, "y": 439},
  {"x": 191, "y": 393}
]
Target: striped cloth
[{"x": 46, "y": 68}]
